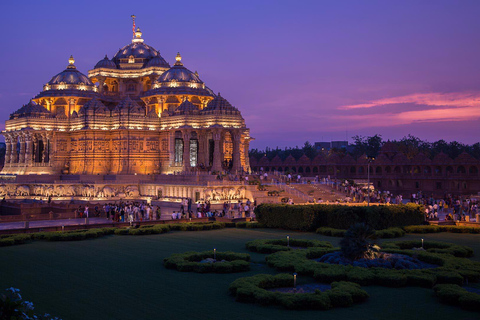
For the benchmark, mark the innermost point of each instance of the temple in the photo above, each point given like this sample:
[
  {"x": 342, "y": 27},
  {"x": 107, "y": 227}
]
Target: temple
[{"x": 132, "y": 114}]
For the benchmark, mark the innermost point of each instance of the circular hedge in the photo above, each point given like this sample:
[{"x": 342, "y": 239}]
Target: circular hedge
[
  {"x": 275, "y": 245},
  {"x": 254, "y": 289},
  {"x": 431, "y": 246},
  {"x": 451, "y": 270},
  {"x": 226, "y": 262}
]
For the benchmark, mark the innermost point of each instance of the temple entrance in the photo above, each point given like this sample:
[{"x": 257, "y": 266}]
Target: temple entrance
[{"x": 39, "y": 151}]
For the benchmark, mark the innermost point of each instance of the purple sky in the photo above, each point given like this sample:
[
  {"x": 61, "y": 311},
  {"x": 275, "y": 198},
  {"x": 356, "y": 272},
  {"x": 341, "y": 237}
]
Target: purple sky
[{"x": 297, "y": 70}]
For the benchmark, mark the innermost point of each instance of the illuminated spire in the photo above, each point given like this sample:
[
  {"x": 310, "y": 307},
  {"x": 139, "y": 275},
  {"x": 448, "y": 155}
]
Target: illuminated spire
[
  {"x": 178, "y": 58},
  {"x": 71, "y": 62},
  {"x": 138, "y": 36}
]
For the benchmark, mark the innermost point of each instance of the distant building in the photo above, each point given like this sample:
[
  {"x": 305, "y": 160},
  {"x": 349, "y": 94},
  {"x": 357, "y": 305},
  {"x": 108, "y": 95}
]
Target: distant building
[
  {"x": 391, "y": 170},
  {"x": 330, "y": 145}
]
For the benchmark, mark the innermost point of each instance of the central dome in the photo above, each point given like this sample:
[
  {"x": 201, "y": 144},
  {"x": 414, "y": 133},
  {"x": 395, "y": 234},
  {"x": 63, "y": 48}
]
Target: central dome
[{"x": 137, "y": 50}]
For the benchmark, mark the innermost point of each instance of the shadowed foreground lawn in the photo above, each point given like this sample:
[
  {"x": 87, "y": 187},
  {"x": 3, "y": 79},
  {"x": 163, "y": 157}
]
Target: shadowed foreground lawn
[{"x": 122, "y": 277}]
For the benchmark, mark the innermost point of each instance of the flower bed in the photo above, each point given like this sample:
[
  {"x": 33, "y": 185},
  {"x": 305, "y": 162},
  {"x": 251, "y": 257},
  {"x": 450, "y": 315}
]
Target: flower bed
[
  {"x": 202, "y": 262},
  {"x": 275, "y": 245},
  {"x": 451, "y": 270},
  {"x": 255, "y": 289}
]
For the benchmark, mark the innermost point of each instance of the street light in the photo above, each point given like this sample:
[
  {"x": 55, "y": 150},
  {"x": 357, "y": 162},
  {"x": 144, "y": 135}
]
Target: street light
[{"x": 369, "y": 160}]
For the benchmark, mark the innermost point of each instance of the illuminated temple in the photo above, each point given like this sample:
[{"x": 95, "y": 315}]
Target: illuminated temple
[{"x": 132, "y": 114}]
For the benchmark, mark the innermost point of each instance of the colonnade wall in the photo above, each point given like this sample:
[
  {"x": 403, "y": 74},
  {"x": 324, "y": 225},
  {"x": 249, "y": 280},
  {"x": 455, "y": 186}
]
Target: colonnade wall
[{"x": 114, "y": 192}]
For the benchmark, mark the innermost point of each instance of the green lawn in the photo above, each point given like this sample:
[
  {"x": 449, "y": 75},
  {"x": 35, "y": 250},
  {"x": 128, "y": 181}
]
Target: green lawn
[{"x": 122, "y": 277}]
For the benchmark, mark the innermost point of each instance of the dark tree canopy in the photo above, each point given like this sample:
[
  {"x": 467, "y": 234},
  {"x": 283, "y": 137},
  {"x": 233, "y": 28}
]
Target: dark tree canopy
[{"x": 370, "y": 146}]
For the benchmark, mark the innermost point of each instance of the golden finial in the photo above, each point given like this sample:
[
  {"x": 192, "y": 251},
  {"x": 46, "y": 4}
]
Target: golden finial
[
  {"x": 138, "y": 33},
  {"x": 71, "y": 61},
  {"x": 178, "y": 59}
]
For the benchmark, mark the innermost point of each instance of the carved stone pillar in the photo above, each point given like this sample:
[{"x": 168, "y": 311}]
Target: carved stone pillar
[
  {"x": 171, "y": 147},
  {"x": 237, "y": 165},
  {"x": 217, "y": 155},
  {"x": 8, "y": 148},
  {"x": 49, "y": 147},
  {"x": 22, "y": 148},
  {"x": 161, "y": 105},
  {"x": 201, "y": 148},
  {"x": 14, "y": 155},
  {"x": 186, "y": 150},
  {"x": 28, "y": 151},
  {"x": 34, "y": 148},
  {"x": 45, "y": 146},
  {"x": 246, "y": 146}
]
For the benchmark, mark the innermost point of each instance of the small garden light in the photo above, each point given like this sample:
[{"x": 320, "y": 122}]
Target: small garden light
[
  {"x": 214, "y": 254},
  {"x": 422, "y": 243},
  {"x": 288, "y": 241},
  {"x": 295, "y": 280}
]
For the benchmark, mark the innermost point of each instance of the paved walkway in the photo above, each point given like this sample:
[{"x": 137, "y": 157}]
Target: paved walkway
[{"x": 52, "y": 223}]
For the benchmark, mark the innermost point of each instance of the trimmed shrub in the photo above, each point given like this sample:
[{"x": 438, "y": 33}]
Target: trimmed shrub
[
  {"x": 250, "y": 225},
  {"x": 384, "y": 234},
  {"x": 439, "y": 228},
  {"x": 452, "y": 270},
  {"x": 254, "y": 290},
  {"x": 191, "y": 262},
  {"x": 5, "y": 242},
  {"x": 455, "y": 295},
  {"x": 431, "y": 246},
  {"x": 311, "y": 217},
  {"x": 191, "y": 226},
  {"x": 275, "y": 245}
]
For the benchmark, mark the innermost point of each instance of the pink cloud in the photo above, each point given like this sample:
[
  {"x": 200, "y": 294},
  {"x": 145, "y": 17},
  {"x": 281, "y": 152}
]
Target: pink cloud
[
  {"x": 455, "y": 99},
  {"x": 409, "y": 117}
]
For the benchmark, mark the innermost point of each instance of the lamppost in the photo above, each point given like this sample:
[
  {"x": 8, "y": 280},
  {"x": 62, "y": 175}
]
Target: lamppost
[{"x": 369, "y": 160}]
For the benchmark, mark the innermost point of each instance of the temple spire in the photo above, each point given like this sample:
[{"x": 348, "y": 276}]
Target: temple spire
[{"x": 133, "y": 28}]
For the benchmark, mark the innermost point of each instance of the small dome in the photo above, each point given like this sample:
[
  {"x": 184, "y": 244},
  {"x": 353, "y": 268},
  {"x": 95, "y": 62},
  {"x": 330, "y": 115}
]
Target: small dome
[
  {"x": 179, "y": 73},
  {"x": 106, "y": 64},
  {"x": 220, "y": 104},
  {"x": 157, "y": 61},
  {"x": 70, "y": 76},
  {"x": 186, "y": 107},
  {"x": 31, "y": 109}
]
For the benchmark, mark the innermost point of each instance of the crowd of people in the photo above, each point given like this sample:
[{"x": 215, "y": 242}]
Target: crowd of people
[
  {"x": 204, "y": 210},
  {"x": 122, "y": 212}
]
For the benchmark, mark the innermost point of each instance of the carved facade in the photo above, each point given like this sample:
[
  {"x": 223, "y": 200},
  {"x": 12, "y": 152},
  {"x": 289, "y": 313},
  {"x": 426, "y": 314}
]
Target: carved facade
[{"x": 133, "y": 114}]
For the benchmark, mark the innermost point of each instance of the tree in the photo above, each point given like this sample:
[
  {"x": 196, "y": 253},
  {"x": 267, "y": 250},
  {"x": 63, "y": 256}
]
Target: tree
[{"x": 309, "y": 150}]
